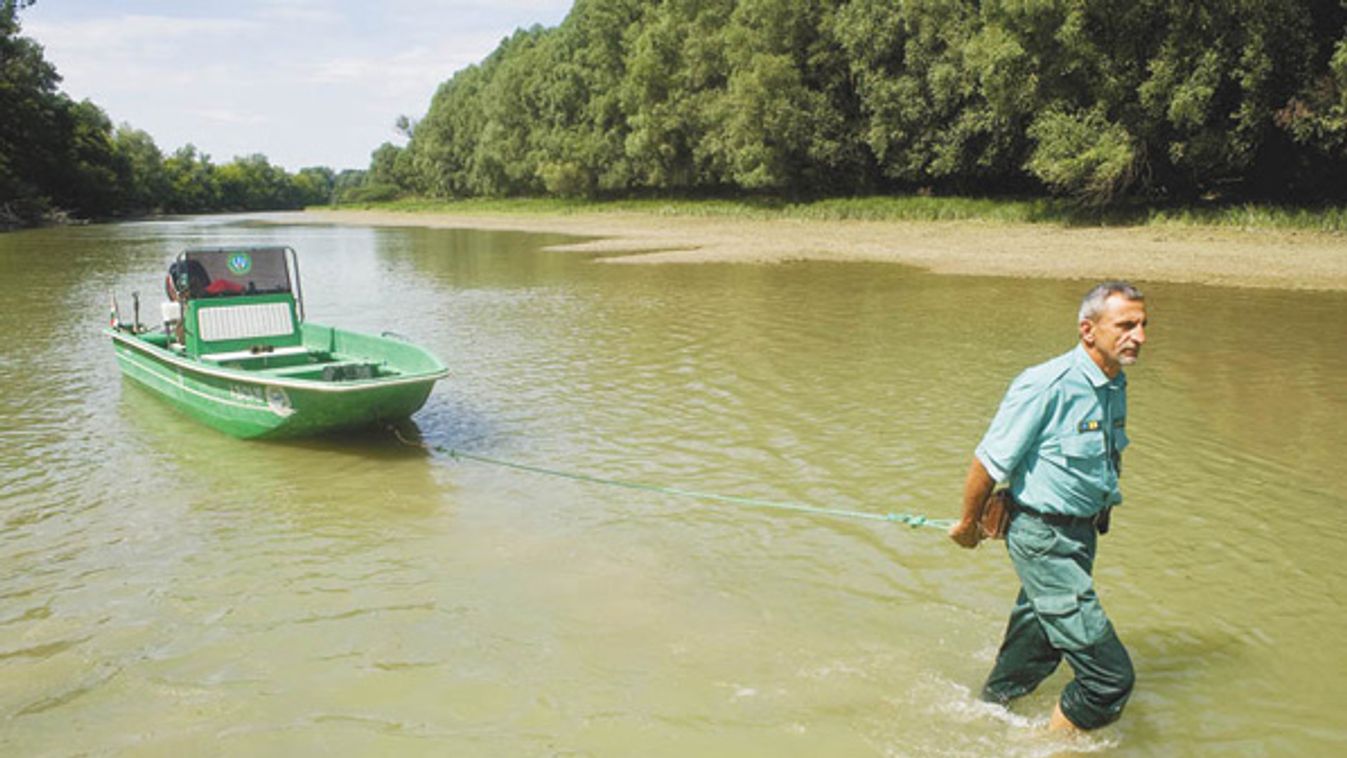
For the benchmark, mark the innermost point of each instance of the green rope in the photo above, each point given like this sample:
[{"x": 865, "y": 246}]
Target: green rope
[{"x": 911, "y": 520}]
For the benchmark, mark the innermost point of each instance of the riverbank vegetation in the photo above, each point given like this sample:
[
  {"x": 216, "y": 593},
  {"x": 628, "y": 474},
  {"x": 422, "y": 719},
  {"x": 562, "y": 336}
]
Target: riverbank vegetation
[
  {"x": 61, "y": 158},
  {"x": 1102, "y": 112},
  {"x": 1102, "y": 103},
  {"x": 1063, "y": 212}
]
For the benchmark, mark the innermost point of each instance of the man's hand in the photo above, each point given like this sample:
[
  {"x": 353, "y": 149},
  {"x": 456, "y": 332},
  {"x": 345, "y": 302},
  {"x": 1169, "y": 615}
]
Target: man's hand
[{"x": 966, "y": 533}]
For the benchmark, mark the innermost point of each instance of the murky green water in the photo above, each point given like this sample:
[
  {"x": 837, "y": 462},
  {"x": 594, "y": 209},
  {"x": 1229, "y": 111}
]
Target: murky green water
[{"x": 165, "y": 590}]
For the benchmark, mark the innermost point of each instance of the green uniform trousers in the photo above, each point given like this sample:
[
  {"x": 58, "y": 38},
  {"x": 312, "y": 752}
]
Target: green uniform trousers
[{"x": 1057, "y": 615}]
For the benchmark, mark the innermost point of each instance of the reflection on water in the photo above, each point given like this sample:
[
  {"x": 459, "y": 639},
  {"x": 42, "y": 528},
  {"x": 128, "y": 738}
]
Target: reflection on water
[{"x": 170, "y": 590}]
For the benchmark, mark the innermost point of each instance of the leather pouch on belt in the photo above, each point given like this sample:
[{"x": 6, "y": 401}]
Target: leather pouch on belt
[{"x": 995, "y": 518}]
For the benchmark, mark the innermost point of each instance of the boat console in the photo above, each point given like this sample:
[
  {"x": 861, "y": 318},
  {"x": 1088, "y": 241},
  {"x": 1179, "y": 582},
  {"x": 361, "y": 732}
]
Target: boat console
[{"x": 234, "y": 302}]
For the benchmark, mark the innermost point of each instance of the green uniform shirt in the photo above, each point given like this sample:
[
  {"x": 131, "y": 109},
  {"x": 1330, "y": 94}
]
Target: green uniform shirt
[{"x": 1058, "y": 436}]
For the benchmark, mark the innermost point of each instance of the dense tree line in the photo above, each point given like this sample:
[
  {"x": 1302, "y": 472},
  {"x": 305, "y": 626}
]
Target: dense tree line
[
  {"x": 1101, "y": 99},
  {"x": 62, "y": 156}
]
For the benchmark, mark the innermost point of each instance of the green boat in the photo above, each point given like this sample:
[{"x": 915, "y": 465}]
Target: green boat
[{"x": 236, "y": 353}]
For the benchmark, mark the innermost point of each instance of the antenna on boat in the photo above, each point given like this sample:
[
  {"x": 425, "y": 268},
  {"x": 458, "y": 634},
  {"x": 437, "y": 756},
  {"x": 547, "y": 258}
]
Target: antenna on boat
[
  {"x": 299, "y": 293},
  {"x": 135, "y": 310},
  {"x": 116, "y": 315}
]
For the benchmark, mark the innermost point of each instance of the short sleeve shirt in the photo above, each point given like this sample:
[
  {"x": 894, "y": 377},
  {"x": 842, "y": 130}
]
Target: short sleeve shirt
[{"x": 1058, "y": 436}]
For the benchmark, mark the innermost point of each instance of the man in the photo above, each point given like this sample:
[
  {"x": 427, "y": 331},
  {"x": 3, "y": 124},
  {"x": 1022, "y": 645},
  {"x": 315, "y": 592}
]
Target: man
[{"x": 1057, "y": 439}]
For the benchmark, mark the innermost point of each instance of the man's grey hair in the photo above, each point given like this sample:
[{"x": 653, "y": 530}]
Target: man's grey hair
[{"x": 1093, "y": 304}]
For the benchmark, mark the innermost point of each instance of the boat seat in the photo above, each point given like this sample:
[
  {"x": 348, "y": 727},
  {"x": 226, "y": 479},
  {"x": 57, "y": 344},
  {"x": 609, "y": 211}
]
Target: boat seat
[
  {"x": 328, "y": 371},
  {"x": 239, "y": 355}
]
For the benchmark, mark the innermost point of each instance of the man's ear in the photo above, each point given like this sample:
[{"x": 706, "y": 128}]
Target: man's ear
[{"x": 1087, "y": 331}]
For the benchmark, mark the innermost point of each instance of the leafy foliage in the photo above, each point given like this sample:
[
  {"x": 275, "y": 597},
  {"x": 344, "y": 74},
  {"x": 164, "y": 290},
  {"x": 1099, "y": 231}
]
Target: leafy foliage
[
  {"x": 1105, "y": 101},
  {"x": 1085, "y": 153},
  {"x": 1101, "y": 100}
]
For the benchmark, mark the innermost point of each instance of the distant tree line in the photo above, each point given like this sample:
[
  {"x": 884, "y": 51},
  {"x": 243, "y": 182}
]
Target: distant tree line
[
  {"x": 58, "y": 156},
  {"x": 1099, "y": 99}
]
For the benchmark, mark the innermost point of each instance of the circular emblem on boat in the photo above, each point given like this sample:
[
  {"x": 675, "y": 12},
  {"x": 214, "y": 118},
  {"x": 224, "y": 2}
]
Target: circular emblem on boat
[
  {"x": 278, "y": 401},
  {"x": 240, "y": 263}
]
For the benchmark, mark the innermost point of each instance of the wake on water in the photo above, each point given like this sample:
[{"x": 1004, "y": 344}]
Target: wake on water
[{"x": 1019, "y": 736}]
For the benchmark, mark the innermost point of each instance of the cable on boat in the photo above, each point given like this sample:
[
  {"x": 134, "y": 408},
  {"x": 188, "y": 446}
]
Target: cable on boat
[{"x": 911, "y": 520}]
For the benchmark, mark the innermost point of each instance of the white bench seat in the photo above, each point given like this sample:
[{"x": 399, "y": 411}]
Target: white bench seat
[{"x": 238, "y": 355}]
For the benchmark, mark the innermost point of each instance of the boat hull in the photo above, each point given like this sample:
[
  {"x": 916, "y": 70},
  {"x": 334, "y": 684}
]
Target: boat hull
[{"x": 250, "y": 404}]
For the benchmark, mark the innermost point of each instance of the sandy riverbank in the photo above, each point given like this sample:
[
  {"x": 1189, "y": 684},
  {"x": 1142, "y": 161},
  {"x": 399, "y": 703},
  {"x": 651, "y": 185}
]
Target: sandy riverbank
[{"x": 1282, "y": 259}]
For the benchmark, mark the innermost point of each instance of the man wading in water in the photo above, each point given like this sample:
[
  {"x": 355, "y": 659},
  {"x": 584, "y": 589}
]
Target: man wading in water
[{"x": 1057, "y": 439}]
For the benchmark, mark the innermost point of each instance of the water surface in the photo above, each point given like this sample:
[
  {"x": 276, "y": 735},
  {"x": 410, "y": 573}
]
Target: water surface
[{"x": 166, "y": 590}]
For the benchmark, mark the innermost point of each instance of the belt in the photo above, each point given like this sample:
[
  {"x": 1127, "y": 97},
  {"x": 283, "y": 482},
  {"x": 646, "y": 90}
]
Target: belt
[{"x": 1056, "y": 519}]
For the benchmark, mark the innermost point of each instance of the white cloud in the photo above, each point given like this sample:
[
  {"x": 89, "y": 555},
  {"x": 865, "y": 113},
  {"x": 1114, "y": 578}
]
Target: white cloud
[
  {"x": 414, "y": 71},
  {"x": 261, "y": 76},
  {"x": 300, "y": 11},
  {"x": 129, "y": 32},
  {"x": 233, "y": 118}
]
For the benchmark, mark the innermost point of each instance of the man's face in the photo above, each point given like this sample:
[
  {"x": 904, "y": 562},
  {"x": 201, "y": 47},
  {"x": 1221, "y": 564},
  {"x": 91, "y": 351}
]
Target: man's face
[{"x": 1117, "y": 335}]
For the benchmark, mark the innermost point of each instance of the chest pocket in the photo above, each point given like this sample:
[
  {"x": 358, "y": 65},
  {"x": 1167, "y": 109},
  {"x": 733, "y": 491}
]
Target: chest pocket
[
  {"x": 1085, "y": 452},
  {"x": 1084, "y": 445}
]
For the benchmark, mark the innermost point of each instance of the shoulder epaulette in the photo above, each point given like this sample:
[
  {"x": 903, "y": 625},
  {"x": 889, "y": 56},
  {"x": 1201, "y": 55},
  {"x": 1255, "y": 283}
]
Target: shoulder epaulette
[{"x": 1048, "y": 372}]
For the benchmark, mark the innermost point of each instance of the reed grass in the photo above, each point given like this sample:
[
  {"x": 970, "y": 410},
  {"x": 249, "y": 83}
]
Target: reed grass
[{"x": 1058, "y": 212}]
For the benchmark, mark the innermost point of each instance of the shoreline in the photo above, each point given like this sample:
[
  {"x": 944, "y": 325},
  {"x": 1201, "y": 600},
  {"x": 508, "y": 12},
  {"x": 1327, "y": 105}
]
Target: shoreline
[{"x": 1294, "y": 260}]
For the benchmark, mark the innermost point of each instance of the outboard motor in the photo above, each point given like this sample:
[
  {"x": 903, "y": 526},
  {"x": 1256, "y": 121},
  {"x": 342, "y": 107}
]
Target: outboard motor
[{"x": 187, "y": 277}]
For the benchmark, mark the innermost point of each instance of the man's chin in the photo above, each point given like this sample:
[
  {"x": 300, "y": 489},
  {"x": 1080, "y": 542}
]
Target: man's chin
[{"x": 1127, "y": 360}]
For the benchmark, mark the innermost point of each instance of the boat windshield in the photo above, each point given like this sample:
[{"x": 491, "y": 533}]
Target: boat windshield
[{"x": 232, "y": 271}]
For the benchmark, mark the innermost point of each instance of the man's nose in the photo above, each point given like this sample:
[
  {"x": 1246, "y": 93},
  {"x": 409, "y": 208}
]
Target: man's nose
[{"x": 1139, "y": 335}]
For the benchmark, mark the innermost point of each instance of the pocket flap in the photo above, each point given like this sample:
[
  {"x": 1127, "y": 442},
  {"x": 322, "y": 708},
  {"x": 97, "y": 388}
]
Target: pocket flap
[
  {"x": 1084, "y": 445},
  {"x": 1056, "y": 605}
]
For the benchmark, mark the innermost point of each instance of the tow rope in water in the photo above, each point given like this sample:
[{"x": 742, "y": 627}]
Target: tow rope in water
[{"x": 912, "y": 520}]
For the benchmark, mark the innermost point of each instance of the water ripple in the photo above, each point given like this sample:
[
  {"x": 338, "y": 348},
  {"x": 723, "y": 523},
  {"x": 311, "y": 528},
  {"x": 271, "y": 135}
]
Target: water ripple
[{"x": 355, "y": 591}]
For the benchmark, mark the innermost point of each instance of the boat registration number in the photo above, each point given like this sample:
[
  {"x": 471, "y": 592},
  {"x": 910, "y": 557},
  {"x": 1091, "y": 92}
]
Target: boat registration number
[
  {"x": 248, "y": 393},
  {"x": 274, "y": 398}
]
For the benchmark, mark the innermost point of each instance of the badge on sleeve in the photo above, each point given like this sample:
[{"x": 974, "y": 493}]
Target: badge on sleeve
[{"x": 1089, "y": 426}]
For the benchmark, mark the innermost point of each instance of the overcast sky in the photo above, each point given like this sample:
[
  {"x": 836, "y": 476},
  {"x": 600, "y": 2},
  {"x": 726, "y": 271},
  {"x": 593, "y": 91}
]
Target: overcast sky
[{"x": 304, "y": 82}]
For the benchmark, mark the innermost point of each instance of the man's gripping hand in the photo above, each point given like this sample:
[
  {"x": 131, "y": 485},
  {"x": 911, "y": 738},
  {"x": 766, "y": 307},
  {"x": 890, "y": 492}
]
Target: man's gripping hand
[{"x": 966, "y": 533}]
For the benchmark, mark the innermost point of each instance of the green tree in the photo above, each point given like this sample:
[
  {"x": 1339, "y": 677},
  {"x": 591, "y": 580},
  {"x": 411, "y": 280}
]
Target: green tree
[
  {"x": 30, "y": 106},
  {"x": 251, "y": 183},
  {"x": 1315, "y": 120},
  {"x": 391, "y": 165},
  {"x": 193, "y": 187},
  {"x": 444, "y": 143},
  {"x": 1099, "y": 99},
  {"x": 581, "y": 99},
  {"x": 313, "y": 185},
  {"x": 947, "y": 89},
  {"x": 346, "y": 184},
  {"x": 146, "y": 184},
  {"x": 1193, "y": 90},
  {"x": 780, "y": 122},
  {"x": 90, "y": 174}
]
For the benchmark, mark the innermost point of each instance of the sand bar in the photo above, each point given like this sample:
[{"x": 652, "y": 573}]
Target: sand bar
[{"x": 1202, "y": 255}]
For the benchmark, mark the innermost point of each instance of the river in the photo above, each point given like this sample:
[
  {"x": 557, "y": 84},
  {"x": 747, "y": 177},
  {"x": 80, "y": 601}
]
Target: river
[{"x": 167, "y": 590}]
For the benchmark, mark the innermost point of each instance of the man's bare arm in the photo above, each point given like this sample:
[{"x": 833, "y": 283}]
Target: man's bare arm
[{"x": 976, "y": 488}]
